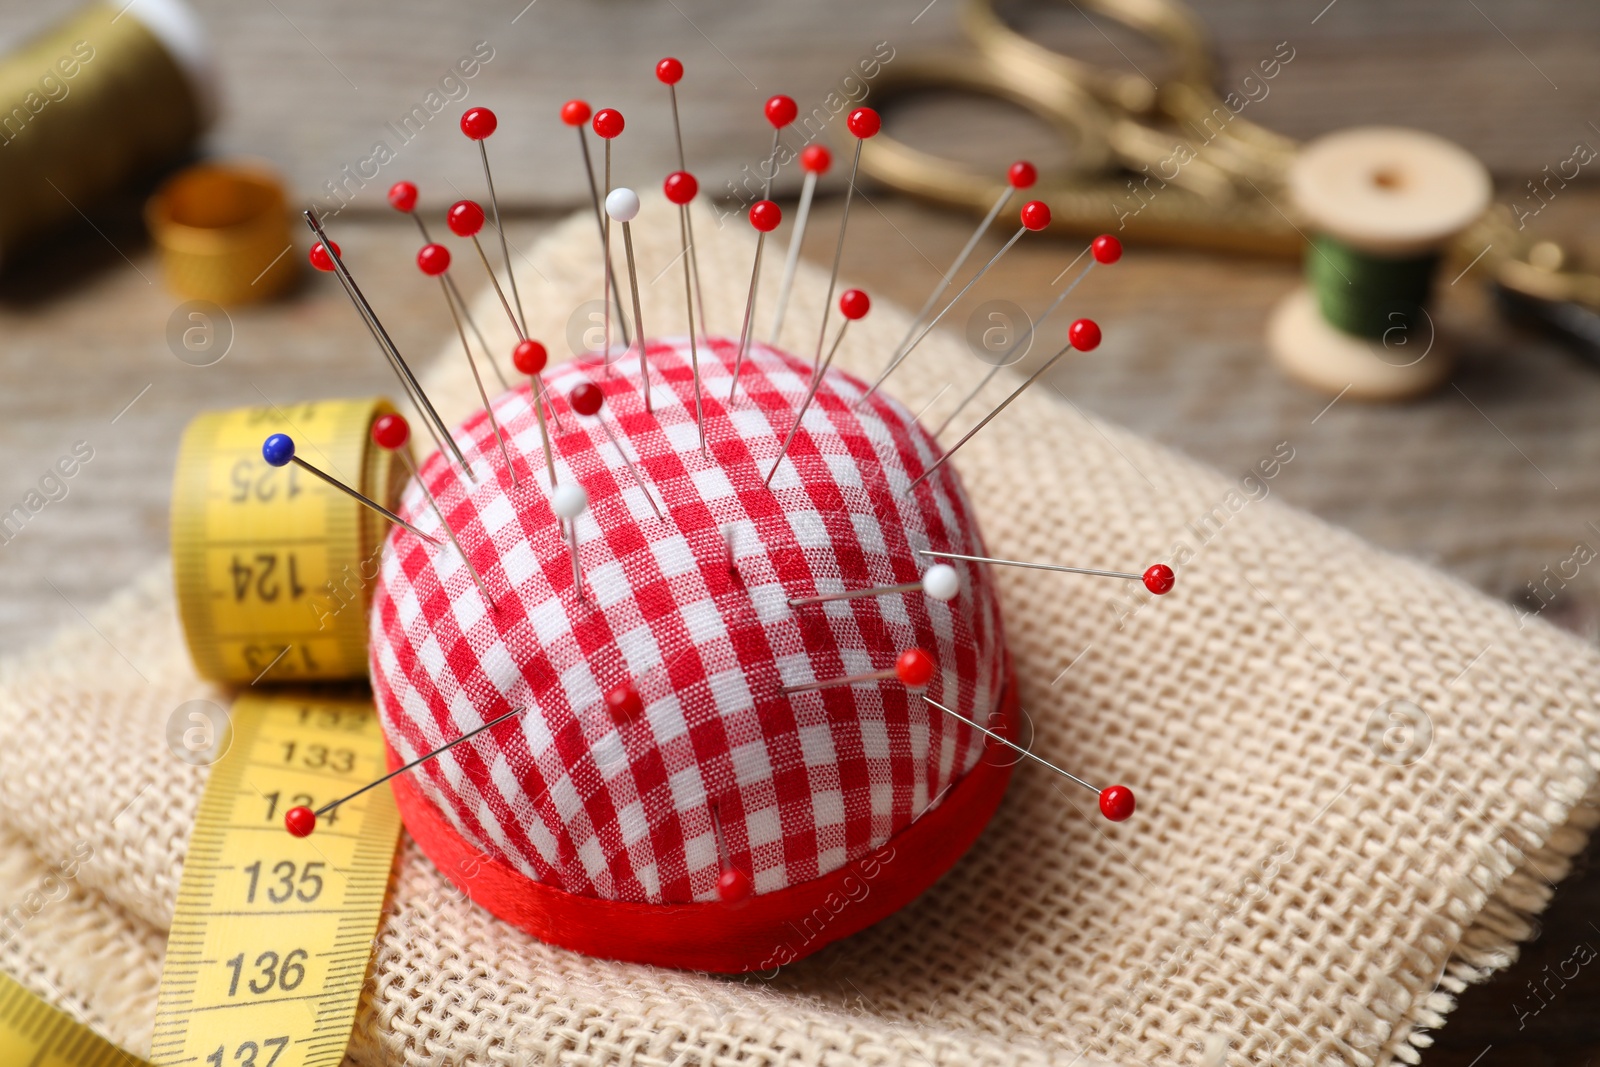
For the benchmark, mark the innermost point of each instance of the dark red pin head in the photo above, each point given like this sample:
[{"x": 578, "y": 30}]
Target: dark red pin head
[
  {"x": 1022, "y": 174},
  {"x": 1084, "y": 335},
  {"x": 575, "y": 112},
  {"x": 586, "y": 398},
  {"x": 478, "y": 123},
  {"x": 1036, "y": 214},
  {"x": 864, "y": 122},
  {"x": 608, "y": 122},
  {"x": 854, "y": 304},
  {"x": 765, "y": 215},
  {"x": 403, "y": 197},
  {"x": 300, "y": 821},
  {"x": 669, "y": 71},
  {"x": 319, "y": 256},
  {"x": 529, "y": 357},
  {"x": 781, "y": 111},
  {"x": 1116, "y": 802},
  {"x": 465, "y": 218},
  {"x": 914, "y": 667},
  {"x": 433, "y": 260},
  {"x": 680, "y": 187},
  {"x": 733, "y": 885},
  {"x": 622, "y": 701},
  {"x": 1159, "y": 579},
  {"x": 390, "y": 431},
  {"x": 1106, "y": 249}
]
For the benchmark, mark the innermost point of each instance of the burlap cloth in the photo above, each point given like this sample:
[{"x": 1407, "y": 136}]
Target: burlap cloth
[{"x": 1282, "y": 896}]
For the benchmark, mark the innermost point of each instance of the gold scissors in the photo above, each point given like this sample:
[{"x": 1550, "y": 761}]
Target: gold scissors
[{"x": 1170, "y": 162}]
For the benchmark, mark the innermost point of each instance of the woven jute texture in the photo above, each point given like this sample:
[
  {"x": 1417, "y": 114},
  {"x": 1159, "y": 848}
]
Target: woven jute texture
[{"x": 1283, "y": 895}]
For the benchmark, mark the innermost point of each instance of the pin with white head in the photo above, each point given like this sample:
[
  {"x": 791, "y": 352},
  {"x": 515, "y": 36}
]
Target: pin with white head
[
  {"x": 1116, "y": 801},
  {"x": 530, "y": 358},
  {"x": 1035, "y": 216},
  {"x": 587, "y": 399},
  {"x": 939, "y": 582},
  {"x": 764, "y": 217},
  {"x": 1020, "y": 175},
  {"x": 913, "y": 668},
  {"x": 279, "y": 451},
  {"x": 608, "y": 125},
  {"x": 815, "y": 161},
  {"x": 853, "y": 304},
  {"x": 576, "y": 114},
  {"x": 326, "y": 257},
  {"x": 403, "y": 198},
  {"x": 569, "y": 501},
  {"x": 669, "y": 72},
  {"x": 681, "y": 187},
  {"x": 434, "y": 261},
  {"x": 862, "y": 123},
  {"x": 622, "y": 204},
  {"x": 1083, "y": 335},
  {"x": 1103, "y": 249},
  {"x": 390, "y": 432},
  {"x": 479, "y": 123}
]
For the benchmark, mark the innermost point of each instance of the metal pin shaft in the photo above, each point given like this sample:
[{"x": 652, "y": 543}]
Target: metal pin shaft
[{"x": 364, "y": 499}]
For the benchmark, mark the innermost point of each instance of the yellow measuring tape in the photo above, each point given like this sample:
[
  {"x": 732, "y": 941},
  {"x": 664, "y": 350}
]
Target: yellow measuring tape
[
  {"x": 272, "y": 935},
  {"x": 273, "y": 568},
  {"x": 36, "y": 1035}
]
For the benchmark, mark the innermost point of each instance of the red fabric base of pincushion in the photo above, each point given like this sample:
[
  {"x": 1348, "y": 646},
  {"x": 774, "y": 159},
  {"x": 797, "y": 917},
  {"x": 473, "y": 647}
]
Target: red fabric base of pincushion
[{"x": 763, "y": 932}]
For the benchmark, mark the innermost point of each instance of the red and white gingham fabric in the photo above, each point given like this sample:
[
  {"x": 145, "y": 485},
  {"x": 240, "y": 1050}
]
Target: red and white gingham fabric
[{"x": 801, "y": 784}]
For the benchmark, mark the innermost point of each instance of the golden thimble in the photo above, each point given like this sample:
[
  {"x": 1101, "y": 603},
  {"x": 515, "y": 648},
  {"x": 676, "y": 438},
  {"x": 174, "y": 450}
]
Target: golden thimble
[{"x": 223, "y": 231}]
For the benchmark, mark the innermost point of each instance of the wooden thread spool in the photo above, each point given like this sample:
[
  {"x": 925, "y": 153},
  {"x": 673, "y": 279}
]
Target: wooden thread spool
[{"x": 1381, "y": 203}]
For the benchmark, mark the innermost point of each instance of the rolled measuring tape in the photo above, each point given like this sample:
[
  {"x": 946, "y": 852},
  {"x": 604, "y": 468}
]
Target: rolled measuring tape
[
  {"x": 272, "y": 934},
  {"x": 1382, "y": 204},
  {"x": 273, "y": 568}
]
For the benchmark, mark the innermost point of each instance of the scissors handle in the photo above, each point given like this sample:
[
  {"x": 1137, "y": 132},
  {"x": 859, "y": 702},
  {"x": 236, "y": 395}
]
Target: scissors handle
[
  {"x": 1123, "y": 129},
  {"x": 1202, "y": 208}
]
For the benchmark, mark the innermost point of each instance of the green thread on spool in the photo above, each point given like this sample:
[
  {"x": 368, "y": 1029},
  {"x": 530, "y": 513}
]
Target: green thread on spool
[{"x": 1364, "y": 294}]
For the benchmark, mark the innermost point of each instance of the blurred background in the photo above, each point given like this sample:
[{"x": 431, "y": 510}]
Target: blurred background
[{"x": 1490, "y": 477}]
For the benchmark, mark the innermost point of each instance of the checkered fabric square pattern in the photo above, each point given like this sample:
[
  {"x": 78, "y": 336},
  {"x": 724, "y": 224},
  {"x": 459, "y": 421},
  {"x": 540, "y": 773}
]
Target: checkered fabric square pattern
[{"x": 629, "y": 810}]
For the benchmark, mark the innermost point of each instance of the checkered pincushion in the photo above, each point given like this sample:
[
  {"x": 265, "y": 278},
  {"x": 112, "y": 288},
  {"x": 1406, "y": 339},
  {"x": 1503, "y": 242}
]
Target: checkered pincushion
[{"x": 623, "y": 811}]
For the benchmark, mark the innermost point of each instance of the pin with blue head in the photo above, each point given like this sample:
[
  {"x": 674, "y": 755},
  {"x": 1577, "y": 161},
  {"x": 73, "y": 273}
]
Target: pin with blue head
[{"x": 279, "y": 451}]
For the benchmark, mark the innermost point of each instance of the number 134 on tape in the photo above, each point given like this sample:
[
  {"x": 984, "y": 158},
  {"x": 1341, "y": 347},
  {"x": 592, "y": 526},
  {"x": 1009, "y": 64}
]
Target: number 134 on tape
[{"x": 273, "y": 934}]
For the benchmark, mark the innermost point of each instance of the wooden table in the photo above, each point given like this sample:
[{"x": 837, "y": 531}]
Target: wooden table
[{"x": 1492, "y": 479}]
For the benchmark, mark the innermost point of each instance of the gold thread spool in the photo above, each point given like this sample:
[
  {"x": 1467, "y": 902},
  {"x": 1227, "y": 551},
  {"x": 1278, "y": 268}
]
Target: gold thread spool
[
  {"x": 1382, "y": 203},
  {"x": 273, "y": 569},
  {"x": 223, "y": 231},
  {"x": 92, "y": 103}
]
